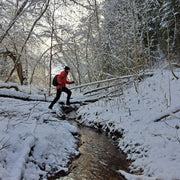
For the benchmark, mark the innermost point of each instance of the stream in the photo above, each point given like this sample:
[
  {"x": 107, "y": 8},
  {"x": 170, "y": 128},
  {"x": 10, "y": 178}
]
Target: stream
[{"x": 100, "y": 157}]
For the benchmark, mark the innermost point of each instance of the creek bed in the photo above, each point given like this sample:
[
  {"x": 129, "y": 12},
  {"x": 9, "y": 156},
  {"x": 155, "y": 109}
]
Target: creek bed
[{"x": 100, "y": 158}]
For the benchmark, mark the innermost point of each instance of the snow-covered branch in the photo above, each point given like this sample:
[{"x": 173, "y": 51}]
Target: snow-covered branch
[
  {"x": 19, "y": 12},
  {"x": 35, "y": 22}
]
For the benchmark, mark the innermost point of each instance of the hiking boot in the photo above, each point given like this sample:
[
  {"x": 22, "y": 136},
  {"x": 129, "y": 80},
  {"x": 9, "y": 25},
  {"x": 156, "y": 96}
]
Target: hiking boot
[{"x": 67, "y": 103}]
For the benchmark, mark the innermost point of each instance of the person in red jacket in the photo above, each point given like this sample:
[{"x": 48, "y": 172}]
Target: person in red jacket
[{"x": 61, "y": 87}]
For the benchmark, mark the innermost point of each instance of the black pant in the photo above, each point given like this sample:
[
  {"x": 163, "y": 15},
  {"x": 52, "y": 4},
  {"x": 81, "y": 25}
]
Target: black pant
[{"x": 58, "y": 94}]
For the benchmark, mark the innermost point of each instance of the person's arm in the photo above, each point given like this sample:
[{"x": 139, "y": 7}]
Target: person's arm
[{"x": 69, "y": 82}]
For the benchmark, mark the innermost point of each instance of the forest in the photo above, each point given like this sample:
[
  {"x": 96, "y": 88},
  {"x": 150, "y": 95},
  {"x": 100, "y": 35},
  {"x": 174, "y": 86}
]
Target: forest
[
  {"x": 123, "y": 118},
  {"x": 98, "y": 39}
]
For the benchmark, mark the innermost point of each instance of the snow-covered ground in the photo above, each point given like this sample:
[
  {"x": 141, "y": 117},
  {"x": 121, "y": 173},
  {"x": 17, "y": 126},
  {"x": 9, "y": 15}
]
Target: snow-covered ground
[
  {"x": 33, "y": 141},
  {"x": 153, "y": 147}
]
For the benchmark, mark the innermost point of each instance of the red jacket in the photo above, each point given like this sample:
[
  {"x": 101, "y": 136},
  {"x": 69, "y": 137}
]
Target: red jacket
[{"x": 61, "y": 79}]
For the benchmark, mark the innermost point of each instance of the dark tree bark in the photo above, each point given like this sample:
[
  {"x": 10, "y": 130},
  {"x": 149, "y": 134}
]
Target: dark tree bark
[{"x": 17, "y": 66}]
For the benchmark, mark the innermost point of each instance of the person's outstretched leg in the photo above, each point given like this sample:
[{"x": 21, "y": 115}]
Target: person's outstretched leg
[
  {"x": 58, "y": 94},
  {"x": 66, "y": 90}
]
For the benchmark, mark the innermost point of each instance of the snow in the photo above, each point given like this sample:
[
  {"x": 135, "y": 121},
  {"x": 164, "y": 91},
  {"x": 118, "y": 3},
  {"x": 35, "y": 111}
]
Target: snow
[
  {"x": 33, "y": 141},
  {"x": 135, "y": 177},
  {"x": 30, "y": 89},
  {"x": 30, "y": 92},
  {"x": 153, "y": 147}
]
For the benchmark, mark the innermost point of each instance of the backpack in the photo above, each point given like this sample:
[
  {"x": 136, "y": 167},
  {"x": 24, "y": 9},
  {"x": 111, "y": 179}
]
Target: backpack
[{"x": 54, "y": 82}]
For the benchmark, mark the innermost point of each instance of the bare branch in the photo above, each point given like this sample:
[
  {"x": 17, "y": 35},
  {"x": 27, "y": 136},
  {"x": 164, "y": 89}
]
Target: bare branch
[
  {"x": 3, "y": 145},
  {"x": 17, "y": 66},
  {"x": 18, "y": 14},
  {"x": 47, "y": 4},
  {"x": 166, "y": 114}
]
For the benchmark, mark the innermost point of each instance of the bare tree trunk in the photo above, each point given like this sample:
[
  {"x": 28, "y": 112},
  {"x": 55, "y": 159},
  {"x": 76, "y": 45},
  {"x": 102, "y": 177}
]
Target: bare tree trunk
[
  {"x": 77, "y": 61},
  {"x": 50, "y": 62},
  {"x": 124, "y": 38},
  {"x": 147, "y": 33},
  {"x": 26, "y": 68},
  {"x": 12, "y": 71},
  {"x": 143, "y": 53},
  {"x": 87, "y": 55},
  {"x": 91, "y": 74},
  {"x": 168, "y": 44},
  {"x": 135, "y": 41},
  {"x": 18, "y": 66},
  {"x": 101, "y": 65}
]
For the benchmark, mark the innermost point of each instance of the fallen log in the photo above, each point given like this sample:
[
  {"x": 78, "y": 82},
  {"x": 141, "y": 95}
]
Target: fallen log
[
  {"x": 9, "y": 87},
  {"x": 141, "y": 75},
  {"x": 26, "y": 98},
  {"x": 104, "y": 88},
  {"x": 23, "y": 96}
]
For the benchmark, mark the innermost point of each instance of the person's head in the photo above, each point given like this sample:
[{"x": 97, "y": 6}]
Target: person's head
[{"x": 67, "y": 69}]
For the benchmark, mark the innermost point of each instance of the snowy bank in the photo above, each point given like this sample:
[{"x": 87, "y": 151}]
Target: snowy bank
[
  {"x": 153, "y": 147},
  {"x": 34, "y": 143}
]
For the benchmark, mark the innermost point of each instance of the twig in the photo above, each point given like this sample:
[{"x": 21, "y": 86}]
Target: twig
[
  {"x": 164, "y": 115},
  {"x": 177, "y": 136},
  {"x": 173, "y": 115},
  {"x": 4, "y": 145}
]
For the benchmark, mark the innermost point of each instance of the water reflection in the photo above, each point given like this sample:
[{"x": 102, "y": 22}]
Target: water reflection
[{"x": 100, "y": 159}]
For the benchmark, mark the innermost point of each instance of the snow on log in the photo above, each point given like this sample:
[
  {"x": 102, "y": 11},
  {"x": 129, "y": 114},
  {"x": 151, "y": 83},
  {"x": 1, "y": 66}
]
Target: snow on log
[
  {"x": 22, "y": 96},
  {"x": 104, "y": 87},
  {"x": 113, "y": 79}
]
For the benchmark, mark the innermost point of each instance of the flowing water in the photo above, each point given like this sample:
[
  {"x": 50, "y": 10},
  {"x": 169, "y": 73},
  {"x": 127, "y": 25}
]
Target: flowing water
[{"x": 100, "y": 158}]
